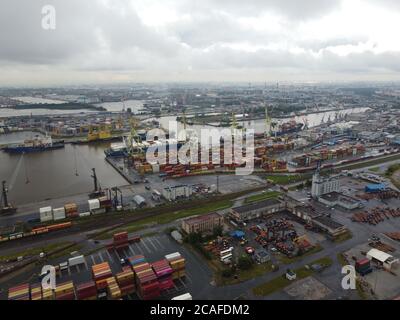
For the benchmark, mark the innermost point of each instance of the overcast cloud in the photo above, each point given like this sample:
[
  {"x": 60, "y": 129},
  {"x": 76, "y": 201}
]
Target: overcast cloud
[{"x": 100, "y": 41}]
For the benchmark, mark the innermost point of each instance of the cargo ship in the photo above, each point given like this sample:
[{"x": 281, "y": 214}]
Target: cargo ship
[
  {"x": 37, "y": 144},
  {"x": 289, "y": 127}
]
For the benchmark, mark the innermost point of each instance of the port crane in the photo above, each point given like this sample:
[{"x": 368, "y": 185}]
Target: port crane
[
  {"x": 97, "y": 188},
  {"x": 5, "y": 206}
]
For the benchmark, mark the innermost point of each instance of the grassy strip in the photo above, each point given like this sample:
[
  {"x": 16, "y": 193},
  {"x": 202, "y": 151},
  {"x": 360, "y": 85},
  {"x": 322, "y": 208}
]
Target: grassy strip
[
  {"x": 341, "y": 259},
  {"x": 255, "y": 271},
  {"x": 286, "y": 260},
  {"x": 168, "y": 217},
  {"x": 343, "y": 237},
  {"x": 262, "y": 196},
  {"x": 287, "y": 178},
  {"x": 34, "y": 251},
  {"x": 368, "y": 163},
  {"x": 281, "y": 282}
]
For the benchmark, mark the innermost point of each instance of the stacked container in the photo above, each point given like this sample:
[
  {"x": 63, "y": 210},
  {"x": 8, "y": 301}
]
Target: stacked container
[
  {"x": 177, "y": 263},
  {"x": 47, "y": 294},
  {"x": 114, "y": 292},
  {"x": 126, "y": 281},
  {"x": 105, "y": 203},
  {"x": 20, "y": 292},
  {"x": 71, "y": 210},
  {"x": 65, "y": 291},
  {"x": 100, "y": 274},
  {"x": 121, "y": 240},
  {"x": 164, "y": 272},
  {"x": 136, "y": 260},
  {"x": 146, "y": 281},
  {"x": 59, "y": 213},
  {"x": 36, "y": 291},
  {"x": 86, "y": 291}
]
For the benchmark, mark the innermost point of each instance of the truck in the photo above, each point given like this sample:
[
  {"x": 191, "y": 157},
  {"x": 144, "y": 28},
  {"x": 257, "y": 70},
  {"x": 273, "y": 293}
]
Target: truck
[{"x": 363, "y": 266}]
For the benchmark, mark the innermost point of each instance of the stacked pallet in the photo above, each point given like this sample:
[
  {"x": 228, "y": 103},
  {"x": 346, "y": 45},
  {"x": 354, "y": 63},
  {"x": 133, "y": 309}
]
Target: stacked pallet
[
  {"x": 126, "y": 281},
  {"x": 177, "y": 263},
  {"x": 114, "y": 293},
  {"x": 86, "y": 291},
  {"x": 101, "y": 272},
  {"x": 36, "y": 291},
  {"x": 146, "y": 281},
  {"x": 164, "y": 272},
  {"x": 65, "y": 291},
  {"x": 20, "y": 292}
]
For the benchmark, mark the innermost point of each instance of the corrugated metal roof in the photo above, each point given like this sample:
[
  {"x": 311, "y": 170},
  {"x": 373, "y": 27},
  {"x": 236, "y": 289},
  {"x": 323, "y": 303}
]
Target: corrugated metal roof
[{"x": 378, "y": 255}]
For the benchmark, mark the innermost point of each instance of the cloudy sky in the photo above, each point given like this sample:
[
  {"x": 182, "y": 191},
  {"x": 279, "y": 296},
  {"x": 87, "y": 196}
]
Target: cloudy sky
[{"x": 105, "y": 41}]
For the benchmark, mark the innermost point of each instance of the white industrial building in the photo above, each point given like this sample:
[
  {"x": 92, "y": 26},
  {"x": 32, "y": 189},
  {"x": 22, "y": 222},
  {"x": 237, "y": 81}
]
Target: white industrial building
[
  {"x": 388, "y": 261},
  {"x": 322, "y": 185},
  {"x": 175, "y": 192}
]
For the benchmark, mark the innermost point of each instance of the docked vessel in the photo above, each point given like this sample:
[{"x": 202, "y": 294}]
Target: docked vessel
[
  {"x": 289, "y": 127},
  {"x": 116, "y": 150},
  {"x": 37, "y": 144}
]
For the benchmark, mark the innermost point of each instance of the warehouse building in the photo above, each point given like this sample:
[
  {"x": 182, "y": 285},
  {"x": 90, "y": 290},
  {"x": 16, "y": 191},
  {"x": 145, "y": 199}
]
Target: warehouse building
[
  {"x": 337, "y": 199},
  {"x": 173, "y": 193},
  {"x": 205, "y": 223},
  {"x": 330, "y": 226},
  {"x": 256, "y": 210},
  {"x": 261, "y": 256}
]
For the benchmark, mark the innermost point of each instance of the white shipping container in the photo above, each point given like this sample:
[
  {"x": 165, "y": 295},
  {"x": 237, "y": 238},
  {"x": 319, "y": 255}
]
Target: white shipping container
[
  {"x": 46, "y": 214},
  {"x": 76, "y": 261},
  {"x": 59, "y": 213},
  {"x": 156, "y": 168},
  {"x": 94, "y": 204},
  {"x": 173, "y": 256}
]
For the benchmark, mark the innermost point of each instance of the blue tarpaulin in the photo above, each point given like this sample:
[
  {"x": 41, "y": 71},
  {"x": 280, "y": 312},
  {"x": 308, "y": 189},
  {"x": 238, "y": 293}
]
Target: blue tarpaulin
[
  {"x": 237, "y": 234},
  {"x": 375, "y": 187}
]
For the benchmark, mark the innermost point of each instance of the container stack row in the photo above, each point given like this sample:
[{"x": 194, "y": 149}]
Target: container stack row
[
  {"x": 101, "y": 272},
  {"x": 65, "y": 291},
  {"x": 86, "y": 291},
  {"x": 177, "y": 263},
  {"x": 164, "y": 272},
  {"x": 113, "y": 290},
  {"x": 147, "y": 283},
  {"x": 20, "y": 292},
  {"x": 126, "y": 281}
]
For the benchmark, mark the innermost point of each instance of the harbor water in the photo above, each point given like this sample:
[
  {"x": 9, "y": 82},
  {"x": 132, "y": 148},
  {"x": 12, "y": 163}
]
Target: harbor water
[{"x": 52, "y": 174}]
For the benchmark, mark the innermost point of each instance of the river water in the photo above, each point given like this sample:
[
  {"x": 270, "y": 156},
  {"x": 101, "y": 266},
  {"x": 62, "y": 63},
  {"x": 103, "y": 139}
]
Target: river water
[{"x": 52, "y": 174}]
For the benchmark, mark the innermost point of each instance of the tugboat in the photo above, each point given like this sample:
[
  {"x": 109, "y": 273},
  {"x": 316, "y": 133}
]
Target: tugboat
[
  {"x": 38, "y": 144},
  {"x": 6, "y": 208}
]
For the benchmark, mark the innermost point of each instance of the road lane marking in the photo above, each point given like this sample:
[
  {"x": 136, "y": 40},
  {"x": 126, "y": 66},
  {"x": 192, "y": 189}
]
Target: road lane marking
[
  {"x": 146, "y": 247},
  {"x": 131, "y": 250},
  {"x": 151, "y": 242},
  {"x": 139, "y": 248},
  {"x": 109, "y": 256},
  {"x": 158, "y": 242},
  {"x": 94, "y": 262},
  {"x": 100, "y": 256}
]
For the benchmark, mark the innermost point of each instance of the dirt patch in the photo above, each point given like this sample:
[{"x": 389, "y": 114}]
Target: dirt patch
[{"x": 308, "y": 289}]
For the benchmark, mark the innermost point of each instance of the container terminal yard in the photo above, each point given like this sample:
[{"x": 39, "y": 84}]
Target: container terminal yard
[{"x": 323, "y": 193}]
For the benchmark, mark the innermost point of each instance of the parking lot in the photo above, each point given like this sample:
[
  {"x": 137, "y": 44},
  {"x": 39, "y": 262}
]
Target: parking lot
[{"x": 154, "y": 248}]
